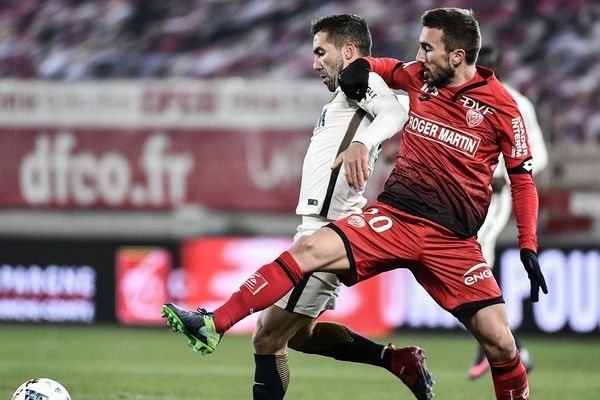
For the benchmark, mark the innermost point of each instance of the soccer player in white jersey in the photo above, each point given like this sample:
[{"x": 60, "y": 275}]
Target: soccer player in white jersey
[
  {"x": 344, "y": 130},
  {"x": 501, "y": 204}
]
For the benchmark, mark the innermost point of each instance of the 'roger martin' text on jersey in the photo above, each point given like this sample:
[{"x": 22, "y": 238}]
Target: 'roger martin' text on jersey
[
  {"x": 450, "y": 146},
  {"x": 325, "y": 192}
]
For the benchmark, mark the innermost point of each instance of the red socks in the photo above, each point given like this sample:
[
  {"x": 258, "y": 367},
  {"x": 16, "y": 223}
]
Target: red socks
[
  {"x": 267, "y": 285},
  {"x": 510, "y": 379}
]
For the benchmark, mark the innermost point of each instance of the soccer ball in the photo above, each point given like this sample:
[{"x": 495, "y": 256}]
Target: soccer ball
[{"x": 41, "y": 389}]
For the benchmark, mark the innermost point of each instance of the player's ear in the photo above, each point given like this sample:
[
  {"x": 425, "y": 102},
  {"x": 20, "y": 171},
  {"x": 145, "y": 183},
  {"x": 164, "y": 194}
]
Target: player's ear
[
  {"x": 349, "y": 51},
  {"x": 457, "y": 57}
]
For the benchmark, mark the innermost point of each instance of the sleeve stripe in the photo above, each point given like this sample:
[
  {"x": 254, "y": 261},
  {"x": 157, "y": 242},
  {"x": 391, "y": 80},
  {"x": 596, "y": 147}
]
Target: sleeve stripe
[
  {"x": 526, "y": 167},
  {"x": 399, "y": 65}
]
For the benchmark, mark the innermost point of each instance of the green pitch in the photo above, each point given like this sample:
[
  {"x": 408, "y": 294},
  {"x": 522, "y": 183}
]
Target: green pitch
[{"x": 106, "y": 363}]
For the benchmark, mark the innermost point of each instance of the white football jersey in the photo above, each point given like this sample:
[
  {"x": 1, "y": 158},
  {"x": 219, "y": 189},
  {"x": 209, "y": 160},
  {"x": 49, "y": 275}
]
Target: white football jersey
[{"x": 324, "y": 191}]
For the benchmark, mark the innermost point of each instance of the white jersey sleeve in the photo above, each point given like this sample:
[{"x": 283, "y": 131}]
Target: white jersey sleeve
[
  {"x": 404, "y": 100},
  {"x": 382, "y": 103},
  {"x": 539, "y": 152},
  {"x": 324, "y": 192}
]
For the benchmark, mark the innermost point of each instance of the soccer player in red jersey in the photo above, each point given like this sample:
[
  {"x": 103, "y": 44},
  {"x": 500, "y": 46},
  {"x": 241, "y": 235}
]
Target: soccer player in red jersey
[
  {"x": 433, "y": 203},
  {"x": 501, "y": 205}
]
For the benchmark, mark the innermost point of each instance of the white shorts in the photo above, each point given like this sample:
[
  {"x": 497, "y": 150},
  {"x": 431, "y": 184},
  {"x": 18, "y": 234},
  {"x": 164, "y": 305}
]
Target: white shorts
[{"x": 317, "y": 293}]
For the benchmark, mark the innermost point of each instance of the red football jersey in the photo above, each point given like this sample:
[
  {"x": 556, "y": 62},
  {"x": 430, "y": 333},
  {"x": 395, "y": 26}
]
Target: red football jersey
[{"x": 450, "y": 147}]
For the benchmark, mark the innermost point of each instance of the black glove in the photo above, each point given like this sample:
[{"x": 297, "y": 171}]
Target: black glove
[
  {"x": 532, "y": 266},
  {"x": 354, "y": 79}
]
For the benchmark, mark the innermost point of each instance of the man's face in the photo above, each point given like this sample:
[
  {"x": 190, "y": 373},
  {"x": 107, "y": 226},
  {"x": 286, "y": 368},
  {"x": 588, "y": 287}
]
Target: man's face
[
  {"x": 327, "y": 60},
  {"x": 434, "y": 60}
]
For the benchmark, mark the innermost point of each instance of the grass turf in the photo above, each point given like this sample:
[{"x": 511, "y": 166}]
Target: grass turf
[{"x": 104, "y": 362}]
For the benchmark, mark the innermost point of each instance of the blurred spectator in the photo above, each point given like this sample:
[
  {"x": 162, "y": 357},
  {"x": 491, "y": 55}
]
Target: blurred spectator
[{"x": 552, "y": 47}]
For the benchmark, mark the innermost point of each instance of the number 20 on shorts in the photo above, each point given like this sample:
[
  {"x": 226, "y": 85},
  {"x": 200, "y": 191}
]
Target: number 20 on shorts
[{"x": 380, "y": 223}]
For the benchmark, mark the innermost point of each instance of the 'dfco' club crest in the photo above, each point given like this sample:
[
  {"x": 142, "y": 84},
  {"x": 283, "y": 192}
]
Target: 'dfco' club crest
[{"x": 474, "y": 118}]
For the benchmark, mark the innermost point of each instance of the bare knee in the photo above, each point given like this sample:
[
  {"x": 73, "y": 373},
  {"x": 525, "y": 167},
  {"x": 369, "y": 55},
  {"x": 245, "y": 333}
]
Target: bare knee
[
  {"x": 323, "y": 250},
  {"x": 268, "y": 339},
  {"x": 305, "y": 252},
  {"x": 490, "y": 326},
  {"x": 501, "y": 348}
]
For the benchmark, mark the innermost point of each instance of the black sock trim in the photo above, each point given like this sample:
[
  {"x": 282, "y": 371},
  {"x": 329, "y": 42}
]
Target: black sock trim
[{"x": 287, "y": 271}]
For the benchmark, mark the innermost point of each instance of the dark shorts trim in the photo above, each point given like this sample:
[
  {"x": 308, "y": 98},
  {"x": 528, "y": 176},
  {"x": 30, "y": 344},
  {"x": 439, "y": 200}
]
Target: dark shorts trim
[
  {"x": 476, "y": 305},
  {"x": 350, "y": 277},
  {"x": 296, "y": 293}
]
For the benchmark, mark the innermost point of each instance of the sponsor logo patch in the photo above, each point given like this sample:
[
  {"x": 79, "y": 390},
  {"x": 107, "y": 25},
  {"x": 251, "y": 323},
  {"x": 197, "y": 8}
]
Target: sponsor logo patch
[
  {"x": 357, "y": 221},
  {"x": 474, "y": 118},
  {"x": 430, "y": 89},
  {"x": 520, "y": 394},
  {"x": 474, "y": 105},
  {"x": 520, "y": 148},
  {"x": 477, "y": 273},
  {"x": 448, "y": 136},
  {"x": 255, "y": 283},
  {"x": 528, "y": 165}
]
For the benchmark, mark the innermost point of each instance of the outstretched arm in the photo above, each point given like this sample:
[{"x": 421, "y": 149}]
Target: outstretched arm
[
  {"x": 354, "y": 78},
  {"x": 525, "y": 205},
  {"x": 389, "y": 116},
  {"x": 519, "y": 165}
]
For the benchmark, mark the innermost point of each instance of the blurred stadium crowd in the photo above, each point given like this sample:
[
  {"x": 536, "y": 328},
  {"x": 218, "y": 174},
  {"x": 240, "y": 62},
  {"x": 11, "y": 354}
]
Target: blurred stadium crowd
[{"x": 552, "y": 47}]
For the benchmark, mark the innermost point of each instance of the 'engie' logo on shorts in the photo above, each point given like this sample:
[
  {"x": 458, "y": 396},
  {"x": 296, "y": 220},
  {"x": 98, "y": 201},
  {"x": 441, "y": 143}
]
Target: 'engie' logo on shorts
[
  {"x": 483, "y": 272},
  {"x": 255, "y": 283}
]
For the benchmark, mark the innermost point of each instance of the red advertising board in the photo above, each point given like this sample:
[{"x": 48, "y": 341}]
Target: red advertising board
[
  {"x": 151, "y": 168},
  {"x": 215, "y": 267},
  {"x": 141, "y": 284}
]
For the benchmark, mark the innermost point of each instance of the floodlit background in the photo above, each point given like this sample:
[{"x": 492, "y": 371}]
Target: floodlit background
[{"x": 151, "y": 151}]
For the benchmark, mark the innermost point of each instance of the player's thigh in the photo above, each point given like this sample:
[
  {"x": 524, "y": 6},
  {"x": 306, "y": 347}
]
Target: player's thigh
[
  {"x": 380, "y": 239},
  {"x": 490, "y": 326},
  {"x": 275, "y": 327},
  {"x": 322, "y": 251}
]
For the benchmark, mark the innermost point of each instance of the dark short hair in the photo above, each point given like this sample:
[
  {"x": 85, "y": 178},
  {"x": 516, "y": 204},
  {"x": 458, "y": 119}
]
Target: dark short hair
[
  {"x": 460, "y": 28},
  {"x": 345, "y": 28},
  {"x": 491, "y": 57}
]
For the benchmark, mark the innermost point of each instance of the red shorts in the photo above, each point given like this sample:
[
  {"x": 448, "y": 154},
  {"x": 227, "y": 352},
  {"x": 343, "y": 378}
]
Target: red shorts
[{"x": 451, "y": 269}]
